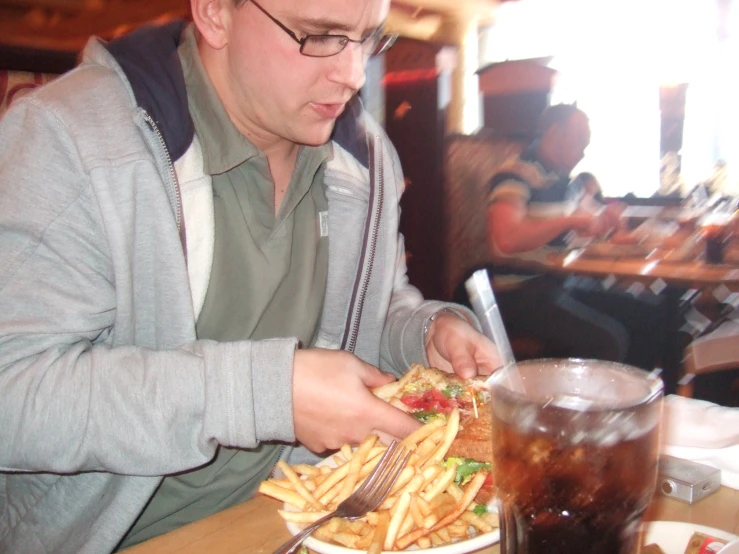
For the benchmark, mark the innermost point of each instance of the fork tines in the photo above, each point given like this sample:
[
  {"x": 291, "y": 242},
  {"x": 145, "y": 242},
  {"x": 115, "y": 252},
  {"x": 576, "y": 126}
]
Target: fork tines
[{"x": 378, "y": 484}]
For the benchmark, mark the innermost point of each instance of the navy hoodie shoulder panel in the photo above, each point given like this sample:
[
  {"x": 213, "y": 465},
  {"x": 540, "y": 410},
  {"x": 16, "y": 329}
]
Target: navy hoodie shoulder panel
[
  {"x": 148, "y": 56},
  {"x": 349, "y": 132}
]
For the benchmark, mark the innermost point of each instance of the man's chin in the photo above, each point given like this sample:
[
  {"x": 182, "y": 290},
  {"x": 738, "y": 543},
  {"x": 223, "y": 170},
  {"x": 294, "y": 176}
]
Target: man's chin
[{"x": 316, "y": 137}]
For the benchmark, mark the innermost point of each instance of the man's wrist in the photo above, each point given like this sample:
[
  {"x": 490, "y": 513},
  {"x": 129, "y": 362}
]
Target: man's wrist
[{"x": 434, "y": 316}]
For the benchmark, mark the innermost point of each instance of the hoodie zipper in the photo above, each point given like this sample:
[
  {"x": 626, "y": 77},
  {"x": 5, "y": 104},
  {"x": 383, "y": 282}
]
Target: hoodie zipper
[
  {"x": 369, "y": 245},
  {"x": 369, "y": 249},
  {"x": 173, "y": 182}
]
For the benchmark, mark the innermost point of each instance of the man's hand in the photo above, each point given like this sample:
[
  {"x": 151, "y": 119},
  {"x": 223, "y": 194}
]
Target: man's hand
[
  {"x": 332, "y": 403},
  {"x": 453, "y": 345},
  {"x": 587, "y": 224}
]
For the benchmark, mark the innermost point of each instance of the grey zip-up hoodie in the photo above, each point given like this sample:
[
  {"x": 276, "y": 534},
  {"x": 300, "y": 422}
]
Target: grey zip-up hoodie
[{"x": 106, "y": 240}]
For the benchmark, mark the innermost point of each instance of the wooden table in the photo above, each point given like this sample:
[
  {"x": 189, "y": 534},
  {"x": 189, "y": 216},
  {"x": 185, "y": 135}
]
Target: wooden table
[
  {"x": 688, "y": 274},
  {"x": 706, "y": 284},
  {"x": 255, "y": 527}
]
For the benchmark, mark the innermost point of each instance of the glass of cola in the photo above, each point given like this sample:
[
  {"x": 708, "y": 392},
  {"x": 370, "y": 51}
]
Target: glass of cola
[{"x": 575, "y": 450}]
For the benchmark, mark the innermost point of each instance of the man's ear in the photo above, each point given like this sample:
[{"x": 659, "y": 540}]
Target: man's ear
[{"x": 212, "y": 19}]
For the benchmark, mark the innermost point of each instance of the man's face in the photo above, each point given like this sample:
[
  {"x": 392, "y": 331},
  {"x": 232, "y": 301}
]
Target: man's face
[
  {"x": 272, "y": 90},
  {"x": 572, "y": 139}
]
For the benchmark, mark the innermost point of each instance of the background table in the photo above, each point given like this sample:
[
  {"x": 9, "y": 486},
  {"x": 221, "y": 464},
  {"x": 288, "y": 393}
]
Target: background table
[{"x": 255, "y": 527}]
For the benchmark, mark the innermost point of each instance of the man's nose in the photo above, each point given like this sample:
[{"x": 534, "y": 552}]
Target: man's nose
[{"x": 349, "y": 67}]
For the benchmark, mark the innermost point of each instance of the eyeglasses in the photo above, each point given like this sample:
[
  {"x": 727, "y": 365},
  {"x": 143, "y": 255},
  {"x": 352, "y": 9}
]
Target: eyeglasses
[{"x": 323, "y": 46}]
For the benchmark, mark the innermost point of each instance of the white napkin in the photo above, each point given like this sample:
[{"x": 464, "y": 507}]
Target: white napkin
[{"x": 703, "y": 432}]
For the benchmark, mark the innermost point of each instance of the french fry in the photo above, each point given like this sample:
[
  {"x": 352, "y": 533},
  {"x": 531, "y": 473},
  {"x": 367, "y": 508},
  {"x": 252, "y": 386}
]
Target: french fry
[
  {"x": 424, "y": 543},
  {"x": 283, "y": 482},
  {"x": 398, "y": 512},
  {"x": 346, "y": 451},
  {"x": 333, "y": 478},
  {"x": 423, "y": 432},
  {"x": 406, "y": 479},
  {"x": 444, "y": 535},
  {"x": 455, "y": 491},
  {"x": 407, "y": 524},
  {"x": 423, "y": 506},
  {"x": 469, "y": 494},
  {"x": 339, "y": 459},
  {"x": 329, "y": 499},
  {"x": 378, "y": 539},
  {"x": 305, "y": 469},
  {"x": 491, "y": 518},
  {"x": 429, "y": 444},
  {"x": 431, "y": 473},
  {"x": 299, "y": 486},
  {"x": 440, "y": 500},
  {"x": 371, "y": 462},
  {"x": 323, "y": 534},
  {"x": 391, "y": 389},
  {"x": 415, "y": 511},
  {"x": 441, "y": 483},
  {"x": 355, "y": 466},
  {"x": 413, "y": 484},
  {"x": 429, "y": 521},
  {"x": 365, "y": 540},
  {"x": 347, "y": 539},
  {"x": 436, "y": 540},
  {"x": 452, "y": 427},
  {"x": 476, "y": 521},
  {"x": 286, "y": 495}
]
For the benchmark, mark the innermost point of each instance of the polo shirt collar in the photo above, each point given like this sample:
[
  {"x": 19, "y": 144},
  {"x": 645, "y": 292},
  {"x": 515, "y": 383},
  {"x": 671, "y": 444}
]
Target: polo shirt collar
[{"x": 224, "y": 147}]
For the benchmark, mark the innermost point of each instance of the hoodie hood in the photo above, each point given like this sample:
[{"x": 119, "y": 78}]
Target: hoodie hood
[{"x": 149, "y": 59}]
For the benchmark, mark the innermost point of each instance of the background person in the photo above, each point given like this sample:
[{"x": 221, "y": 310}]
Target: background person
[
  {"x": 177, "y": 216},
  {"x": 535, "y": 206}
]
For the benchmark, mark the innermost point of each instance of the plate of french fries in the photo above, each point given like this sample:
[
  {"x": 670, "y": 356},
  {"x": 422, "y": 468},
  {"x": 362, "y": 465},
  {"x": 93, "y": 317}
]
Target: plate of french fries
[{"x": 429, "y": 508}]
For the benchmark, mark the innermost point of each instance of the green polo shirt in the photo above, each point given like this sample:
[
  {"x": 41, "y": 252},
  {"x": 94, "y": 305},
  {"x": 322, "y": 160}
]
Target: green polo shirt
[{"x": 268, "y": 280}]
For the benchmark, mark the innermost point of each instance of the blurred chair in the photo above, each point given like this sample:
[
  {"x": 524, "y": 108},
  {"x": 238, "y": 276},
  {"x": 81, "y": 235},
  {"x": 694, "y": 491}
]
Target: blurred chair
[
  {"x": 711, "y": 367},
  {"x": 14, "y": 84}
]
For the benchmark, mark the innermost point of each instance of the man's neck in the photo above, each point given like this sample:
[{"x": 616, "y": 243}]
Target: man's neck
[{"x": 281, "y": 153}]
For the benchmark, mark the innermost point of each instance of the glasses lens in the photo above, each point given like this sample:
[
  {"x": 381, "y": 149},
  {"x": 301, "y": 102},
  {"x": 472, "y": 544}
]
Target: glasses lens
[
  {"x": 383, "y": 44},
  {"x": 322, "y": 46}
]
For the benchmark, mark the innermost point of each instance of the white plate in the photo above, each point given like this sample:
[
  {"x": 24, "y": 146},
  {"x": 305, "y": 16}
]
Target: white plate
[
  {"x": 731, "y": 548},
  {"x": 673, "y": 536},
  {"x": 461, "y": 547}
]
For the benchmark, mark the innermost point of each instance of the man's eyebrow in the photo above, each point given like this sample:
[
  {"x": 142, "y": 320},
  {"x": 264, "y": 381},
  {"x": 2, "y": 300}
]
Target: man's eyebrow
[{"x": 330, "y": 24}]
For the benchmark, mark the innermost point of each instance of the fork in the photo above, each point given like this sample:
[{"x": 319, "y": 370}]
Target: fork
[{"x": 366, "y": 498}]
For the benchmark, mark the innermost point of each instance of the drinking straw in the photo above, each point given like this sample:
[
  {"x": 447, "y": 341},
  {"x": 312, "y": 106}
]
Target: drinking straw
[{"x": 486, "y": 309}]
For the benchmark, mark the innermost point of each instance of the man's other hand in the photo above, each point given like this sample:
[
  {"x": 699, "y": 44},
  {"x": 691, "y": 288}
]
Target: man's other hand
[
  {"x": 333, "y": 404},
  {"x": 454, "y": 345}
]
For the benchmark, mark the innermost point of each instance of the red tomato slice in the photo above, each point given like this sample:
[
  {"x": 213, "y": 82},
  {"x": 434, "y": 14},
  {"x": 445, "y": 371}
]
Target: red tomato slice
[
  {"x": 430, "y": 400},
  {"x": 414, "y": 401}
]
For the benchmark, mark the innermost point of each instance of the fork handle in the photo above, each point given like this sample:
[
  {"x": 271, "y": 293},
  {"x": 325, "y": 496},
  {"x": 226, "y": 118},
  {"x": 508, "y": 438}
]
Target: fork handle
[{"x": 292, "y": 545}]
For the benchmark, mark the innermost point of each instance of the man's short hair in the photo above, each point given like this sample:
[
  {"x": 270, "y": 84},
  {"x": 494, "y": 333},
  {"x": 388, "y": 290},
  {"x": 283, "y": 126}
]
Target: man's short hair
[{"x": 556, "y": 115}]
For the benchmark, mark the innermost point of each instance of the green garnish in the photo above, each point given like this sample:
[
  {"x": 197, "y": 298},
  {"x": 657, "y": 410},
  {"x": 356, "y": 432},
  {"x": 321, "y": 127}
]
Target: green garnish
[
  {"x": 480, "y": 509},
  {"x": 466, "y": 468},
  {"x": 426, "y": 415},
  {"x": 452, "y": 391}
]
